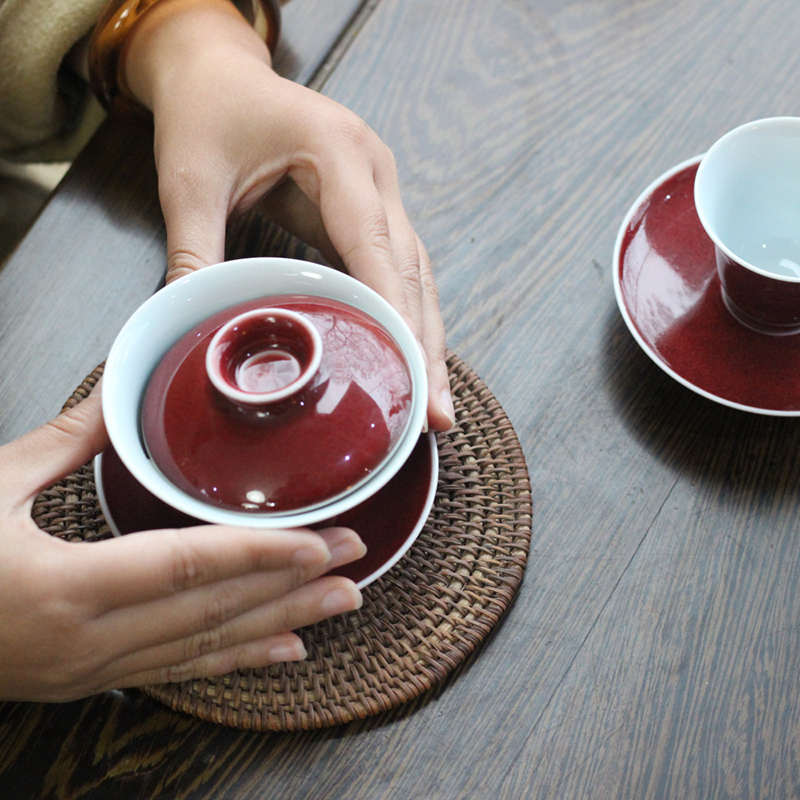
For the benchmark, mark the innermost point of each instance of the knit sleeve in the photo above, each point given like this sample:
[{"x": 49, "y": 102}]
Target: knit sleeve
[{"x": 46, "y": 110}]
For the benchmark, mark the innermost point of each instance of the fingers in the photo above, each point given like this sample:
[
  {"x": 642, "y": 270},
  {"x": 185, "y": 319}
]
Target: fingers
[
  {"x": 367, "y": 224},
  {"x": 195, "y": 212},
  {"x": 211, "y": 606},
  {"x": 253, "y": 639},
  {"x": 249, "y": 655},
  {"x": 208, "y": 600},
  {"x": 441, "y": 412},
  {"x": 44, "y": 455},
  {"x": 373, "y": 245},
  {"x": 209, "y": 610},
  {"x": 152, "y": 568}
]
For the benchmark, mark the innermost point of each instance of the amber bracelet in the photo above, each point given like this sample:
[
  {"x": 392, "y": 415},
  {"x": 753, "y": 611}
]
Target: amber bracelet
[{"x": 113, "y": 30}]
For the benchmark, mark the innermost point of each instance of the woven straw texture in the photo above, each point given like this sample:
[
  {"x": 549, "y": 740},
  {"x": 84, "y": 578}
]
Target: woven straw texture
[{"x": 418, "y": 623}]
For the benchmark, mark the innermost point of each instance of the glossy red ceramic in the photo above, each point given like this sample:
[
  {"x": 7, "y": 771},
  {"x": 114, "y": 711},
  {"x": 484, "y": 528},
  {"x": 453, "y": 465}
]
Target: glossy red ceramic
[
  {"x": 668, "y": 291},
  {"x": 767, "y": 304},
  {"x": 264, "y": 356},
  {"x": 310, "y": 447}
]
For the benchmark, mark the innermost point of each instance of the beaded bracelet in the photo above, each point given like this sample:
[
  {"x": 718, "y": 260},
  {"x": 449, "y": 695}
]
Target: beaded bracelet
[{"x": 114, "y": 27}]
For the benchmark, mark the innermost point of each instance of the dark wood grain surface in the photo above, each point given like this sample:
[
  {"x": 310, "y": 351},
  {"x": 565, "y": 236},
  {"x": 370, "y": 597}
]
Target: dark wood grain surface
[{"x": 653, "y": 650}]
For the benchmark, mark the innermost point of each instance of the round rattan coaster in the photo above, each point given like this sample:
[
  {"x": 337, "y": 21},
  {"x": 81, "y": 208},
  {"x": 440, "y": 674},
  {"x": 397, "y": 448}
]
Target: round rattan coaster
[{"x": 418, "y": 623}]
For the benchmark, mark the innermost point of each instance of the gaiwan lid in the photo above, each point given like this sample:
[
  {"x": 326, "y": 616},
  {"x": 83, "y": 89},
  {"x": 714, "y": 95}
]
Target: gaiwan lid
[{"x": 277, "y": 404}]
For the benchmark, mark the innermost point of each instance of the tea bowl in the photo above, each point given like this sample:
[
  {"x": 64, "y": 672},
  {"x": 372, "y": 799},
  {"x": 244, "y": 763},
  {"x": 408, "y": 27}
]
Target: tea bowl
[{"x": 167, "y": 338}]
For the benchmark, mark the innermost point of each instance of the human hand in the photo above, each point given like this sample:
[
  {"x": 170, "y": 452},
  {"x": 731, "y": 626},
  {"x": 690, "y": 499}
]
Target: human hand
[
  {"x": 151, "y": 607},
  {"x": 228, "y": 130}
]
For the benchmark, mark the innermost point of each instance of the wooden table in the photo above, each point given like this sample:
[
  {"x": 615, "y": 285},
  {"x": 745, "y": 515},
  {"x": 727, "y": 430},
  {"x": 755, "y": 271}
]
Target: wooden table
[{"x": 653, "y": 650}]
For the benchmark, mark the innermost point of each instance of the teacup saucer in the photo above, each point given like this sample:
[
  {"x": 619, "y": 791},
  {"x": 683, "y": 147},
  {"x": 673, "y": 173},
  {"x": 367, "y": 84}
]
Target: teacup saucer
[
  {"x": 388, "y": 522},
  {"x": 668, "y": 291}
]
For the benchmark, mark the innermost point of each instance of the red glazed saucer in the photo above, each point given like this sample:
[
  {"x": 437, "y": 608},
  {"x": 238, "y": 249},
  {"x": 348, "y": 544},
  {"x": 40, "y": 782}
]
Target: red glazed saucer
[
  {"x": 388, "y": 522},
  {"x": 668, "y": 291}
]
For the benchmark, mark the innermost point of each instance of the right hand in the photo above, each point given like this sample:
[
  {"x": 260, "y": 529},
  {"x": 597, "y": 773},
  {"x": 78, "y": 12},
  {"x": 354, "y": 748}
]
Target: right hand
[
  {"x": 229, "y": 130},
  {"x": 152, "y": 607}
]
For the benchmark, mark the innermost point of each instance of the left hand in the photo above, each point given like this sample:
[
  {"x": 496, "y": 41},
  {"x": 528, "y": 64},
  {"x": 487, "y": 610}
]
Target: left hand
[
  {"x": 166, "y": 605},
  {"x": 228, "y": 130}
]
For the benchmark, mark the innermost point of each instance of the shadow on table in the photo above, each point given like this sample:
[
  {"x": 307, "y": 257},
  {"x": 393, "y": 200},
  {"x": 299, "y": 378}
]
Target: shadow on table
[
  {"x": 23, "y": 192},
  {"x": 697, "y": 437}
]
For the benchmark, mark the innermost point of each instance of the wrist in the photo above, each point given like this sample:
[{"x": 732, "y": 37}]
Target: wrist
[
  {"x": 134, "y": 41},
  {"x": 178, "y": 35}
]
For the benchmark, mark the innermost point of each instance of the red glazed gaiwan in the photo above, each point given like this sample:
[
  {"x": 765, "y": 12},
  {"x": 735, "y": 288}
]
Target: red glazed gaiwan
[
  {"x": 266, "y": 392},
  {"x": 277, "y": 404},
  {"x": 271, "y": 393}
]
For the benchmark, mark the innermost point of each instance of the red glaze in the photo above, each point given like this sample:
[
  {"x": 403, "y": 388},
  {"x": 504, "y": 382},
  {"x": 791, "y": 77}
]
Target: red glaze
[
  {"x": 385, "y": 521},
  {"x": 671, "y": 291},
  {"x": 307, "y": 449},
  {"x": 767, "y": 304}
]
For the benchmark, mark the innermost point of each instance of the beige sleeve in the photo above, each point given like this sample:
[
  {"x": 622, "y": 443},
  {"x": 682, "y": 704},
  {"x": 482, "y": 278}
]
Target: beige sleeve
[{"x": 37, "y": 121}]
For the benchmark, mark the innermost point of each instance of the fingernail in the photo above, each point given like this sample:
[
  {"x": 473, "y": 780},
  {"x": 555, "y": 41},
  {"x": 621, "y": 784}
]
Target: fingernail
[
  {"x": 312, "y": 554},
  {"x": 287, "y": 652},
  {"x": 446, "y": 402},
  {"x": 346, "y": 547},
  {"x": 340, "y": 600}
]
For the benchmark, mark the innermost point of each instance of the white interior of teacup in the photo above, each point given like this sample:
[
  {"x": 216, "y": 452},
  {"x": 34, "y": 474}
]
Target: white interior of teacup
[
  {"x": 747, "y": 197},
  {"x": 177, "y": 308}
]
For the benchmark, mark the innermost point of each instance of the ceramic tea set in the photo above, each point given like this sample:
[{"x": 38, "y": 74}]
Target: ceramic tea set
[
  {"x": 271, "y": 393},
  {"x": 707, "y": 269}
]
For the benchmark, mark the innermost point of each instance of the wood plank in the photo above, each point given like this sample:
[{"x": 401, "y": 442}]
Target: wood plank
[
  {"x": 312, "y": 33},
  {"x": 686, "y": 686}
]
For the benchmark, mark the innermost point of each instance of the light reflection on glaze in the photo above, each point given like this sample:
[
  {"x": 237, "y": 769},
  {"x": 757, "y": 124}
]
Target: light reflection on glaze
[
  {"x": 661, "y": 299},
  {"x": 657, "y": 295}
]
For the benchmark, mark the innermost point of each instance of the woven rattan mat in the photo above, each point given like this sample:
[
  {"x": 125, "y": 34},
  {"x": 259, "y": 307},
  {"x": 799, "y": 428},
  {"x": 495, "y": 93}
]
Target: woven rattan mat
[{"x": 418, "y": 623}]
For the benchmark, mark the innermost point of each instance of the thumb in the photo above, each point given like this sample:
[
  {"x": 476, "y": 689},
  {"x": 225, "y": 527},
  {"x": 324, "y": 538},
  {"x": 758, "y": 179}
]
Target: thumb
[
  {"x": 195, "y": 216},
  {"x": 45, "y": 455}
]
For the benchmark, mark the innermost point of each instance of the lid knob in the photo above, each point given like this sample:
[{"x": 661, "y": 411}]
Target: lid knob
[{"x": 263, "y": 356}]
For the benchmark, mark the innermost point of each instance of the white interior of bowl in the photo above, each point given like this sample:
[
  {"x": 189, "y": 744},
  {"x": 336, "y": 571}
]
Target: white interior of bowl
[{"x": 176, "y": 309}]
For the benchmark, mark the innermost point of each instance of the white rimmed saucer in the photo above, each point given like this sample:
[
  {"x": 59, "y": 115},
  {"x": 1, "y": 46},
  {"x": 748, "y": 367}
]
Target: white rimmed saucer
[{"x": 667, "y": 289}]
